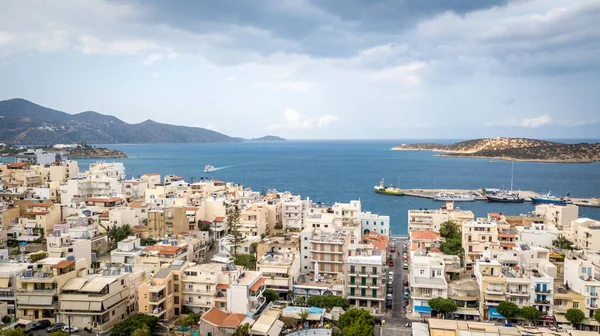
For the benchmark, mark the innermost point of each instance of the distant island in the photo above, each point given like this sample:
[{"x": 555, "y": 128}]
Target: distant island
[
  {"x": 514, "y": 149},
  {"x": 270, "y": 138},
  {"x": 76, "y": 151},
  {"x": 25, "y": 123}
]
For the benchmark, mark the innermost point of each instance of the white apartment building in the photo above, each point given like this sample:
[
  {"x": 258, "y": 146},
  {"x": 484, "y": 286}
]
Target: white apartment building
[
  {"x": 247, "y": 197},
  {"x": 324, "y": 251},
  {"x": 371, "y": 222},
  {"x": 9, "y": 273},
  {"x": 127, "y": 251},
  {"x": 60, "y": 245},
  {"x": 427, "y": 281},
  {"x": 538, "y": 234},
  {"x": 560, "y": 216},
  {"x": 279, "y": 262},
  {"x": 585, "y": 233},
  {"x": 206, "y": 285},
  {"x": 366, "y": 282},
  {"x": 432, "y": 219},
  {"x": 245, "y": 293},
  {"x": 582, "y": 274},
  {"x": 293, "y": 211}
]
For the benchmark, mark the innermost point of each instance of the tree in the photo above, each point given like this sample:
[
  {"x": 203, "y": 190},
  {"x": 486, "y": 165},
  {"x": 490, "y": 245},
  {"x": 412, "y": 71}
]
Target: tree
[
  {"x": 246, "y": 260},
  {"x": 12, "y": 332},
  {"x": 128, "y": 326},
  {"x": 236, "y": 237},
  {"x": 449, "y": 229},
  {"x": 576, "y": 316},
  {"x": 299, "y": 301},
  {"x": 147, "y": 241},
  {"x": 242, "y": 330},
  {"x": 530, "y": 313},
  {"x": 270, "y": 295},
  {"x": 303, "y": 315},
  {"x": 328, "y": 301},
  {"x": 189, "y": 320},
  {"x": 452, "y": 246},
  {"x": 597, "y": 315},
  {"x": 6, "y": 319},
  {"x": 508, "y": 309},
  {"x": 357, "y": 322},
  {"x": 562, "y": 243},
  {"x": 443, "y": 306},
  {"x": 143, "y": 331}
]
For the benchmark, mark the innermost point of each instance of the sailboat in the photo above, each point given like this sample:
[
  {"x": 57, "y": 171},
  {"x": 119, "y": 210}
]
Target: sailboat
[{"x": 506, "y": 196}]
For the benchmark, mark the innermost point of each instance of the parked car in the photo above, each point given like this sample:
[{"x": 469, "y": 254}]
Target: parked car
[
  {"x": 70, "y": 329},
  {"x": 389, "y": 297},
  {"x": 405, "y": 282},
  {"x": 391, "y": 275},
  {"x": 391, "y": 283},
  {"x": 405, "y": 295},
  {"x": 405, "y": 266},
  {"x": 393, "y": 249},
  {"x": 42, "y": 324},
  {"x": 55, "y": 327},
  {"x": 391, "y": 263},
  {"x": 390, "y": 290}
]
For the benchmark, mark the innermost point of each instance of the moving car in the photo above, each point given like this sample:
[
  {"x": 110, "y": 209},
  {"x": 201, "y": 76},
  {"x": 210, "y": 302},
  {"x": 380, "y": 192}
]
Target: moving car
[
  {"x": 55, "y": 327},
  {"x": 391, "y": 263},
  {"x": 405, "y": 295},
  {"x": 393, "y": 249},
  {"x": 41, "y": 324}
]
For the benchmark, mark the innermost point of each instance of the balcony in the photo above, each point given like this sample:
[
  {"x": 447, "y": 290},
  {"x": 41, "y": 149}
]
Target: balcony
[
  {"x": 326, "y": 251},
  {"x": 518, "y": 293},
  {"x": 221, "y": 296},
  {"x": 198, "y": 304},
  {"x": 37, "y": 291},
  {"x": 542, "y": 302},
  {"x": 198, "y": 291},
  {"x": 497, "y": 291},
  {"x": 156, "y": 289},
  {"x": 594, "y": 294},
  {"x": 352, "y": 272},
  {"x": 158, "y": 312},
  {"x": 156, "y": 299},
  {"x": 541, "y": 290}
]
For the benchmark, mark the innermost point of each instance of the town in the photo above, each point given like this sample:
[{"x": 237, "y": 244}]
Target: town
[{"x": 92, "y": 251}]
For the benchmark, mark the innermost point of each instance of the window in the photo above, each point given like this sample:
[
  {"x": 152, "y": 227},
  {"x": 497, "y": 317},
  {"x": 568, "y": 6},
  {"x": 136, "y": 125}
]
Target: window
[
  {"x": 176, "y": 300},
  {"x": 305, "y": 238},
  {"x": 122, "y": 281},
  {"x": 305, "y": 257},
  {"x": 363, "y": 292},
  {"x": 422, "y": 272},
  {"x": 367, "y": 222},
  {"x": 245, "y": 249},
  {"x": 306, "y": 247},
  {"x": 352, "y": 291},
  {"x": 576, "y": 305},
  {"x": 382, "y": 224}
]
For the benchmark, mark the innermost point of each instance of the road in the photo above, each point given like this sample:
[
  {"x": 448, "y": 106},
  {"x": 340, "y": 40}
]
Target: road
[{"x": 395, "y": 323}]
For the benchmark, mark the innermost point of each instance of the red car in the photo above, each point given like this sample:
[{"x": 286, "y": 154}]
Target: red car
[
  {"x": 393, "y": 249},
  {"x": 391, "y": 263}
]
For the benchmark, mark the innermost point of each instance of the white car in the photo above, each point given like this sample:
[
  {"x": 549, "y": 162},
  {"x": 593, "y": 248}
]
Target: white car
[
  {"x": 391, "y": 275},
  {"x": 73, "y": 329},
  {"x": 390, "y": 297}
]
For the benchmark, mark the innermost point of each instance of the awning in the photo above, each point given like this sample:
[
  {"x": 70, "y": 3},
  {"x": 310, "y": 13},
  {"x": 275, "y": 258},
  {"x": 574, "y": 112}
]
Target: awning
[
  {"x": 276, "y": 328},
  {"x": 75, "y": 305},
  {"x": 467, "y": 312},
  {"x": 495, "y": 314},
  {"x": 495, "y": 297},
  {"x": 95, "y": 306},
  {"x": 328, "y": 316},
  {"x": 111, "y": 301},
  {"x": 74, "y": 284},
  {"x": 28, "y": 238},
  {"x": 423, "y": 309},
  {"x": 93, "y": 287},
  {"x": 4, "y": 282},
  {"x": 561, "y": 319},
  {"x": 257, "y": 284},
  {"x": 314, "y": 317}
]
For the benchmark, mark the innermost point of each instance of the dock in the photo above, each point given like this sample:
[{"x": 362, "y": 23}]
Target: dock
[{"x": 430, "y": 193}]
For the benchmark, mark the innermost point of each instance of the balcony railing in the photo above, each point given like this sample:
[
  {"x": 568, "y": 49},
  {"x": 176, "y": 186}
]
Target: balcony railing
[
  {"x": 200, "y": 291},
  {"x": 544, "y": 302},
  {"x": 37, "y": 291},
  {"x": 541, "y": 290},
  {"x": 156, "y": 298}
]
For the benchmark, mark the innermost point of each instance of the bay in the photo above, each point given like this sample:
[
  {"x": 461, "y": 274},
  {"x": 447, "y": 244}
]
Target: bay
[{"x": 340, "y": 171}]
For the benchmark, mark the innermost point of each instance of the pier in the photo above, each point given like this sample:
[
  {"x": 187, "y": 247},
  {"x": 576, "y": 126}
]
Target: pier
[{"x": 479, "y": 196}]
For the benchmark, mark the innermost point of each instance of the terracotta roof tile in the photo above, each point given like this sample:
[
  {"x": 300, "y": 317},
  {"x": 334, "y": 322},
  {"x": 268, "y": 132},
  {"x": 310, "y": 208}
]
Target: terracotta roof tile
[
  {"x": 257, "y": 284},
  {"x": 507, "y": 244},
  {"x": 425, "y": 235},
  {"x": 104, "y": 199},
  {"x": 233, "y": 321},
  {"x": 64, "y": 264},
  {"x": 219, "y": 219},
  {"x": 45, "y": 204},
  {"x": 35, "y": 213},
  {"x": 191, "y": 208},
  {"x": 139, "y": 205},
  {"x": 222, "y": 286},
  {"x": 220, "y": 318}
]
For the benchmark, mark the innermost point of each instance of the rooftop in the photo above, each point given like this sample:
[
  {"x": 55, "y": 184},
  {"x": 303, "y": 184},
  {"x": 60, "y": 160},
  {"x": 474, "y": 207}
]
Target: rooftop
[
  {"x": 329, "y": 237},
  {"x": 220, "y": 318},
  {"x": 276, "y": 259},
  {"x": 176, "y": 265}
]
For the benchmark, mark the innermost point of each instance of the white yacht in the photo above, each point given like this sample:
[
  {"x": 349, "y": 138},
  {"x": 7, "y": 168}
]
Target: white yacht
[
  {"x": 209, "y": 168},
  {"x": 444, "y": 196}
]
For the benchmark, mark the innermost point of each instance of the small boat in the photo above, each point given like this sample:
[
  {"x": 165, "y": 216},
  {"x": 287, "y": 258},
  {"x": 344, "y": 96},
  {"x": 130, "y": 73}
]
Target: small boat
[
  {"x": 446, "y": 197},
  {"x": 550, "y": 199},
  {"x": 492, "y": 160},
  {"x": 390, "y": 190},
  {"x": 209, "y": 168}
]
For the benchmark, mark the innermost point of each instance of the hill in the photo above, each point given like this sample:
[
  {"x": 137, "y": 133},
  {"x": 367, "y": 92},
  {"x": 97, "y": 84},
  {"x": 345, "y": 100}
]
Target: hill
[
  {"x": 24, "y": 122},
  {"x": 270, "y": 138},
  {"x": 516, "y": 149}
]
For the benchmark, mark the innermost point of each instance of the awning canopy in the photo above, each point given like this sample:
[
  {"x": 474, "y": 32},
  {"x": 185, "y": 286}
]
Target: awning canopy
[
  {"x": 75, "y": 305},
  {"x": 276, "y": 328},
  {"x": 4, "y": 282},
  {"x": 494, "y": 313},
  {"x": 423, "y": 309},
  {"x": 314, "y": 317},
  {"x": 28, "y": 238},
  {"x": 74, "y": 284},
  {"x": 467, "y": 312}
]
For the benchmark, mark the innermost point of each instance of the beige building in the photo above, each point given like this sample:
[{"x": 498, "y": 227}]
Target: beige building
[
  {"x": 161, "y": 296},
  {"x": 279, "y": 261},
  {"x": 432, "y": 219},
  {"x": 207, "y": 285},
  {"x": 478, "y": 236},
  {"x": 585, "y": 233},
  {"x": 61, "y": 245},
  {"x": 9, "y": 274},
  {"x": 253, "y": 220},
  {"x": 39, "y": 287},
  {"x": 170, "y": 220},
  {"x": 324, "y": 250},
  {"x": 366, "y": 282}
]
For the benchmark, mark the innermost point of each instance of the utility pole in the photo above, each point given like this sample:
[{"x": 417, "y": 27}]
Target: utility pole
[{"x": 69, "y": 322}]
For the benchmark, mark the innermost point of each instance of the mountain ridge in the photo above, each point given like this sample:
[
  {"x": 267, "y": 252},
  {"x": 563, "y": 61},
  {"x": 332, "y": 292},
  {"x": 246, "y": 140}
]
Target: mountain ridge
[{"x": 24, "y": 122}]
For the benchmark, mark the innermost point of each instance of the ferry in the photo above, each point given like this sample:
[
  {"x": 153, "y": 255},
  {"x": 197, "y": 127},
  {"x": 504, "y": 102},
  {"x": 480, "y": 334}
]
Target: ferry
[
  {"x": 209, "y": 168},
  {"x": 382, "y": 189},
  {"x": 549, "y": 199},
  {"x": 505, "y": 197},
  {"x": 452, "y": 197}
]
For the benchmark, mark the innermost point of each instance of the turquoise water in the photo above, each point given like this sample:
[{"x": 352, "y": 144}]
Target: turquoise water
[{"x": 330, "y": 171}]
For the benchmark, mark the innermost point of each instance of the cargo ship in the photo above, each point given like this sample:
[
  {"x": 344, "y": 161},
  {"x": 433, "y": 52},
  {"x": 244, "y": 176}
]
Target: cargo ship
[
  {"x": 389, "y": 190},
  {"x": 549, "y": 199}
]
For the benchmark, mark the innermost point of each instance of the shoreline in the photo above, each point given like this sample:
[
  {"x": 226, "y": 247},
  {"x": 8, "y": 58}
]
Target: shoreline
[{"x": 464, "y": 154}]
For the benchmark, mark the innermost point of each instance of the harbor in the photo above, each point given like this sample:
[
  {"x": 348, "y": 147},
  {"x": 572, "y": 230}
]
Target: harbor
[{"x": 479, "y": 195}]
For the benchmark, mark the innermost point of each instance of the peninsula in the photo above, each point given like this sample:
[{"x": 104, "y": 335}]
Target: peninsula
[
  {"x": 514, "y": 149},
  {"x": 269, "y": 138},
  {"x": 73, "y": 151}
]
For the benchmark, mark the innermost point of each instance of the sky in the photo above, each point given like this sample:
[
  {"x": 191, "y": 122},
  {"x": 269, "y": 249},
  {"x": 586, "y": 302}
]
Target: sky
[{"x": 314, "y": 69}]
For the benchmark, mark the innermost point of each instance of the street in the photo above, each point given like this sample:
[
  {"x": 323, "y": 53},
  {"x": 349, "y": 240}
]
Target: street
[{"x": 395, "y": 323}]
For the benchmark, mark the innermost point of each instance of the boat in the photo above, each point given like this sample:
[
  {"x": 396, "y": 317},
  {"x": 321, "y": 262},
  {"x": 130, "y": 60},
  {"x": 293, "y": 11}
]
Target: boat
[
  {"x": 446, "y": 197},
  {"x": 506, "y": 196},
  {"x": 550, "y": 199},
  {"x": 209, "y": 168},
  {"x": 389, "y": 190}
]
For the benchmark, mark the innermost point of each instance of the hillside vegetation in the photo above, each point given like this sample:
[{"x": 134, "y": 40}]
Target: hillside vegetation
[{"x": 518, "y": 149}]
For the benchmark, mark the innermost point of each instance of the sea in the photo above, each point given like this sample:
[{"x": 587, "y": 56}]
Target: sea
[{"x": 343, "y": 170}]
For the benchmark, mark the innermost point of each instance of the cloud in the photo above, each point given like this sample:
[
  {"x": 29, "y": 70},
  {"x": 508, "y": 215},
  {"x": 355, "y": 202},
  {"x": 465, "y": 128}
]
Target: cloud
[
  {"x": 407, "y": 74},
  {"x": 152, "y": 58},
  {"x": 230, "y": 78},
  {"x": 542, "y": 120},
  {"x": 298, "y": 86},
  {"x": 296, "y": 120},
  {"x": 91, "y": 45}
]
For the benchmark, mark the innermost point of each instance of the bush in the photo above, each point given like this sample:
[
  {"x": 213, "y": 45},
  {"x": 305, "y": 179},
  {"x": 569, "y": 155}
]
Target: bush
[
  {"x": 357, "y": 322},
  {"x": 270, "y": 295},
  {"x": 6, "y": 319},
  {"x": 128, "y": 326},
  {"x": 246, "y": 260},
  {"x": 328, "y": 301},
  {"x": 576, "y": 316},
  {"x": 38, "y": 256}
]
